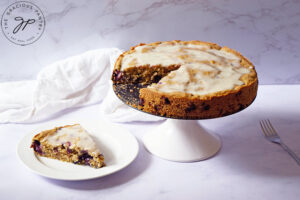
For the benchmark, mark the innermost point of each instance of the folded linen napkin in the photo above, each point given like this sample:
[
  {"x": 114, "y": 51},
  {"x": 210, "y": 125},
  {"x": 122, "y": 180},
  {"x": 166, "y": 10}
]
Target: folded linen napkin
[{"x": 76, "y": 81}]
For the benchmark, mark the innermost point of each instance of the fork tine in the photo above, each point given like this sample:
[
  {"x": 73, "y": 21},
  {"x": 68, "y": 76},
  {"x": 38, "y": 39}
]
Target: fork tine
[
  {"x": 273, "y": 129},
  {"x": 269, "y": 130},
  {"x": 262, "y": 128}
]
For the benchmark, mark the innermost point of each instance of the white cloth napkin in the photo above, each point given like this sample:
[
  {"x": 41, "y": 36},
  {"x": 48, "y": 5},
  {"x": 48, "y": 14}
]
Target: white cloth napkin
[{"x": 74, "y": 82}]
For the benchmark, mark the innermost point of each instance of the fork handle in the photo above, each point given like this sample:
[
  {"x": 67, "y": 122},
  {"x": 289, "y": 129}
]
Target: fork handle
[{"x": 296, "y": 158}]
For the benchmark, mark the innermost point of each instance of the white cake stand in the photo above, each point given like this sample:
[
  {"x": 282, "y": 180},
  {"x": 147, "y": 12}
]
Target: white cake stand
[{"x": 179, "y": 140}]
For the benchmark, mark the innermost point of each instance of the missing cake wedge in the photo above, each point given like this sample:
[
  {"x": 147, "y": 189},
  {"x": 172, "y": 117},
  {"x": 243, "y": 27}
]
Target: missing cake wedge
[{"x": 70, "y": 143}]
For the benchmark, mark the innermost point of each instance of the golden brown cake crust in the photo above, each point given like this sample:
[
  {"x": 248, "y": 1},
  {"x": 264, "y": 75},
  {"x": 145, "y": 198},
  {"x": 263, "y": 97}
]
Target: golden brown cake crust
[
  {"x": 193, "y": 107},
  {"x": 190, "y": 106}
]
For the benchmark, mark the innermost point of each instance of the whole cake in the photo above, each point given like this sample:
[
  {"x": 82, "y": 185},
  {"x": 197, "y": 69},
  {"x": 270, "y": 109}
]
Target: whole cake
[
  {"x": 70, "y": 143},
  {"x": 188, "y": 79}
]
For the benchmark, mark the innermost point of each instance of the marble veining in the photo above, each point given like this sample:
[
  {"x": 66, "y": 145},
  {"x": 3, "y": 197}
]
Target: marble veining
[{"x": 267, "y": 32}]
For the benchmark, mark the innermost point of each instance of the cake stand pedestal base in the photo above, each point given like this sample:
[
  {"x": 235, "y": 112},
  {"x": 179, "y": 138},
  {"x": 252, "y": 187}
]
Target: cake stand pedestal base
[{"x": 181, "y": 141}]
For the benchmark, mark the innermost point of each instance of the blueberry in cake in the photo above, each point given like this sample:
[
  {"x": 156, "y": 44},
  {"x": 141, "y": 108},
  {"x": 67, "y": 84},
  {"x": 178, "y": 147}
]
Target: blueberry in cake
[
  {"x": 70, "y": 143},
  {"x": 188, "y": 79}
]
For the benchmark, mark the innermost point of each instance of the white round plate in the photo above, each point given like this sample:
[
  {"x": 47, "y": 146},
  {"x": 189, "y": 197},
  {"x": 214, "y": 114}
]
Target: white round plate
[{"x": 118, "y": 146}]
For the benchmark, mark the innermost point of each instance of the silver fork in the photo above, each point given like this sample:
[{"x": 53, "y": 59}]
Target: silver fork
[{"x": 271, "y": 135}]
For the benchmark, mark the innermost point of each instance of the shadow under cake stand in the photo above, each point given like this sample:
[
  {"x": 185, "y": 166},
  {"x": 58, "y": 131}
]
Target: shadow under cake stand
[{"x": 177, "y": 139}]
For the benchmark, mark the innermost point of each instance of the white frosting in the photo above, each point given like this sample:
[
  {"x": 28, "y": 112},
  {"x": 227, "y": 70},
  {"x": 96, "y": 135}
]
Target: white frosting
[
  {"x": 203, "y": 70},
  {"x": 76, "y": 136}
]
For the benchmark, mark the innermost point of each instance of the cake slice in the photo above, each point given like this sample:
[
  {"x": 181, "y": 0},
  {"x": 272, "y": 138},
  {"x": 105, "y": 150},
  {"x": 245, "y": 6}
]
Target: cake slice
[{"x": 70, "y": 143}]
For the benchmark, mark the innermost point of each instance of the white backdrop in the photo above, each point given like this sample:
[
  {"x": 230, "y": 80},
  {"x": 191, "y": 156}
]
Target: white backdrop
[{"x": 267, "y": 32}]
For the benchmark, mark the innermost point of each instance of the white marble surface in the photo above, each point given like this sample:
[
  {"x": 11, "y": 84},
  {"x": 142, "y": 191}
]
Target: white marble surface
[
  {"x": 267, "y": 32},
  {"x": 247, "y": 167}
]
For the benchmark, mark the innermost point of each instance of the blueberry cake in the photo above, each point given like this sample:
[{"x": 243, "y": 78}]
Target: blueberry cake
[
  {"x": 188, "y": 79},
  {"x": 70, "y": 143}
]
